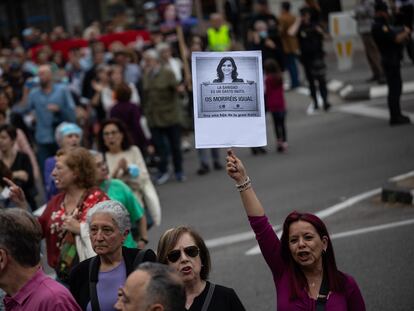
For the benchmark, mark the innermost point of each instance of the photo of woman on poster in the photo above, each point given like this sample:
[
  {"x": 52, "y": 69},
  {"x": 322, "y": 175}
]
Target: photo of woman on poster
[{"x": 227, "y": 71}]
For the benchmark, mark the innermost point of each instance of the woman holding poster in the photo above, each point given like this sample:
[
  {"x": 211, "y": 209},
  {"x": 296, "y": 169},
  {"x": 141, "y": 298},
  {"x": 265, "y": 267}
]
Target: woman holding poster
[
  {"x": 227, "y": 71},
  {"x": 302, "y": 261}
]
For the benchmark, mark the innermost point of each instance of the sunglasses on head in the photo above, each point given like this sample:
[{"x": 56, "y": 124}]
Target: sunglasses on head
[{"x": 191, "y": 251}]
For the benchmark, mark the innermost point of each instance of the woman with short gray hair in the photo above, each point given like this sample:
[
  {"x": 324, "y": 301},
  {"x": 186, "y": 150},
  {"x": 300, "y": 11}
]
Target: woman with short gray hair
[{"x": 95, "y": 282}]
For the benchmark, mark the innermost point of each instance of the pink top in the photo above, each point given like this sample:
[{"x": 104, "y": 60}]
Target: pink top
[
  {"x": 41, "y": 293},
  {"x": 274, "y": 94},
  {"x": 350, "y": 299}
]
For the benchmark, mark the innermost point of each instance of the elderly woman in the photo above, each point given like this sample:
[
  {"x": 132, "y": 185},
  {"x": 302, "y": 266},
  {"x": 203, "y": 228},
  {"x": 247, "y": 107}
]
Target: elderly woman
[
  {"x": 68, "y": 135},
  {"x": 184, "y": 250},
  {"x": 95, "y": 282},
  {"x": 64, "y": 219},
  {"x": 227, "y": 71},
  {"x": 302, "y": 262}
]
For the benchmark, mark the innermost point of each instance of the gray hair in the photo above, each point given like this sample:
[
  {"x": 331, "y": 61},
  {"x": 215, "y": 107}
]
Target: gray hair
[
  {"x": 165, "y": 286},
  {"x": 152, "y": 53},
  {"x": 160, "y": 47},
  {"x": 117, "y": 211}
]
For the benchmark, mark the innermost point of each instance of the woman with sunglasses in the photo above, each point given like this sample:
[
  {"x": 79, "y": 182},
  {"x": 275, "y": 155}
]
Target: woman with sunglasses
[{"x": 184, "y": 250}]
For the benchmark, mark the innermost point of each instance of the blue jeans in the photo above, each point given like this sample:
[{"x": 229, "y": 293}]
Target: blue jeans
[
  {"x": 168, "y": 140},
  {"x": 293, "y": 69}
]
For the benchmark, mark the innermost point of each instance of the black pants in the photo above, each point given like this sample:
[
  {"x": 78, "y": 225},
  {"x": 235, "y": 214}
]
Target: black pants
[
  {"x": 392, "y": 73},
  {"x": 279, "y": 123},
  {"x": 166, "y": 140},
  {"x": 407, "y": 16},
  {"x": 312, "y": 88}
]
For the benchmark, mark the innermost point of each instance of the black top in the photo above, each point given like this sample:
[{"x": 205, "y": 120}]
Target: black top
[
  {"x": 234, "y": 80},
  {"x": 79, "y": 276},
  {"x": 310, "y": 42},
  {"x": 224, "y": 299},
  {"x": 22, "y": 163},
  {"x": 384, "y": 36}
]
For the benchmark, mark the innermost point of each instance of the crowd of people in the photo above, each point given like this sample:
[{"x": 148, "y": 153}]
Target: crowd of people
[{"x": 88, "y": 132}]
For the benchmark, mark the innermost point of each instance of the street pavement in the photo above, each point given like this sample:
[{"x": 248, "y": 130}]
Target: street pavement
[{"x": 335, "y": 166}]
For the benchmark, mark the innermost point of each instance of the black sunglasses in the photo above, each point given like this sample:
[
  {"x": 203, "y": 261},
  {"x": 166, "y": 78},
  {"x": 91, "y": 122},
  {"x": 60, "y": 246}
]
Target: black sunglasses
[{"x": 191, "y": 251}]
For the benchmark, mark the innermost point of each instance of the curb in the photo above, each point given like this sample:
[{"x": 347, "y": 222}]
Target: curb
[
  {"x": 399, "y": 189},
  {"x": 364, "y": 92},
  {"x": 392, "y": 193}
]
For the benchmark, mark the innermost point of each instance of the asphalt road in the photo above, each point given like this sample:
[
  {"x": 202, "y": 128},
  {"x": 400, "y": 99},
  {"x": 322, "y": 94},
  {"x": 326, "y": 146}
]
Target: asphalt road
[{"x": 332, "y": 157}]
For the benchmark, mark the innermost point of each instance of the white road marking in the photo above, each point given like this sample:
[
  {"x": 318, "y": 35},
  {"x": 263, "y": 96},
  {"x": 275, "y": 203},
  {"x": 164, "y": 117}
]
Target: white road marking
[
  {"x": 368, "y": 109},
  {"x": 246, "y": 236}
]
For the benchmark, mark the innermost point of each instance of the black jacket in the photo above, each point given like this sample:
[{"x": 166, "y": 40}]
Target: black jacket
[{"x": 79, "y": 276}]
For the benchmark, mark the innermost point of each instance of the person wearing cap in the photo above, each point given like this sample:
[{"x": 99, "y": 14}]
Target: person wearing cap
[
  {"x": 67, "y": 135},
  {"x": 390, "y": 41}
]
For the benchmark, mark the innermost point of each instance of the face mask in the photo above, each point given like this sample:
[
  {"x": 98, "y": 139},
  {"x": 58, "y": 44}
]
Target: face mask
[{"x": 263, "y": 34}]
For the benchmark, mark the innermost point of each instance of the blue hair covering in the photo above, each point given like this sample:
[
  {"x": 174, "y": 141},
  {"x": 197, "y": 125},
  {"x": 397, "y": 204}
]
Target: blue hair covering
[{"x": 66, "y": 128}]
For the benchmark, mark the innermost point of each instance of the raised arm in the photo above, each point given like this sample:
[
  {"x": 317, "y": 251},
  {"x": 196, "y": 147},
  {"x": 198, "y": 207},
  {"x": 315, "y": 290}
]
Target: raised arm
[
  {"x": 16, "y": 194},
  {"x": 235, "y": 169}
]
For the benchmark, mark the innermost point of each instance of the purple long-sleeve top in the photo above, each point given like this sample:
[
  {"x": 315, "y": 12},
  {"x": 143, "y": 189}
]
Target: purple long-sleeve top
[{"x": 350, "y": 299}]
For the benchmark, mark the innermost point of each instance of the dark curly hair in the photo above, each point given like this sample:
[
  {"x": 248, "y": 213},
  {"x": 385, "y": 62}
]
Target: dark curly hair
[{"x": 126, "y": 138}]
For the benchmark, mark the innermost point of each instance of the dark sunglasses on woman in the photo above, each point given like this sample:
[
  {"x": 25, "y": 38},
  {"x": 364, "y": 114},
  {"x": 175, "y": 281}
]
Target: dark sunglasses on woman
[{"x": 191, "y": 251}]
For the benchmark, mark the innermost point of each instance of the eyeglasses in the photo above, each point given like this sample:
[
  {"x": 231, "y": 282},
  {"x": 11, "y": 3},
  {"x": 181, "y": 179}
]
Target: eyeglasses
[
  {"x": 191, "y": 251},
  {"x": 112, "y": 133}
]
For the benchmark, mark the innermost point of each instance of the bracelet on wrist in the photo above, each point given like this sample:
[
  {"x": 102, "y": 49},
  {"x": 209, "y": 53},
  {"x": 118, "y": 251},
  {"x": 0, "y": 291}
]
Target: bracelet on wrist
[{"x": 245, "y": 185}]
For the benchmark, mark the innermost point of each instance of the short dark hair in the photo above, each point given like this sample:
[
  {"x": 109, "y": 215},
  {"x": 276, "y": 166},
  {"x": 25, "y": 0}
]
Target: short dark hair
[
  {"x": 123, "y": 93},
  {"x": 271, "y": 66},
  {"x": 286, "y": 6},
  {"x": 20, "y": 235},
  {"x": 126, "y": 140},
  {"x": 10, "y": 130},
  {"x": 165, "y": 286},
  {"x": 170, "y": 238}
]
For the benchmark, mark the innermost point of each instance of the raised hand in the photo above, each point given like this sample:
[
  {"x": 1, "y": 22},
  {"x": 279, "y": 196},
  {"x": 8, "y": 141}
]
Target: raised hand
[
  {"x": 16, "y": 194},
  {"x": 235, "y": 168}
]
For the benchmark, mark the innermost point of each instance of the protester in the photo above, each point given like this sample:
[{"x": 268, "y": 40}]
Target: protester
[
  {"x": 125, "y": 161},
  {"x": 117, "y": 190},
  {"x": 27, "y": 287},
  {"x": 302, "y": 262},
  {"x": 218, "y": 34},
  {"x": 163, "y": 112},
  {"x": 275, "y": 101},
  {"x": 18, "y": 163},
  {"x": 289, "y": 43},
  {"x": 130, "y": 114},
  {"x": 390, "y": 42},
  {"x": 109, "y": 225},
  {"x": 67, "y": 135},
  {"x": 52, "y": 104},
  {"x": 310, "y": 36},
  {"x": 183, "y": 249},
  {"x": 364, "y": 15},
  {"x": 64, "y": 219},
  {"x": 152, "y": 286}
]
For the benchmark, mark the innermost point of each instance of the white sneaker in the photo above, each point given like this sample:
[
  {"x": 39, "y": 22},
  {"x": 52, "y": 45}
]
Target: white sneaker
[
  {"x": 162, "y": 179},
  {"x": 311, "y": 110}
]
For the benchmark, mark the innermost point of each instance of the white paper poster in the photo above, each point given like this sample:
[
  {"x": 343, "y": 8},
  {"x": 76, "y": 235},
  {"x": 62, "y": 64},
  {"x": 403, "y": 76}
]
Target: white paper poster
[{"x": 228, "y": 99}]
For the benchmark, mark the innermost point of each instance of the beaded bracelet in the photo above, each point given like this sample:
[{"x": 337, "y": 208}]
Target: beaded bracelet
[{"x": 245, "y": 185}]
